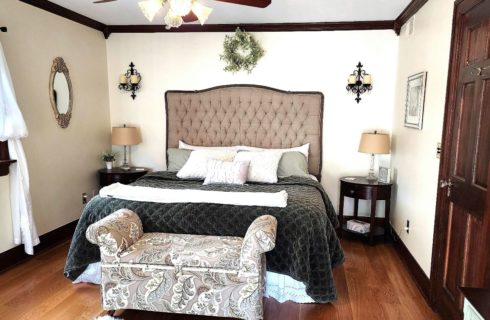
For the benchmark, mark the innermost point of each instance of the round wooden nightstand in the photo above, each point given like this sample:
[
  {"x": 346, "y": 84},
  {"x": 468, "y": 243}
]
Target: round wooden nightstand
[
  {"x": 107, "y": 177},
  {"x": 361, "y": 188}
]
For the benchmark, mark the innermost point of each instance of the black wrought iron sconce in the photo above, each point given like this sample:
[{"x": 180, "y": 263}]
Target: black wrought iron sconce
[
  {"x": 359, "y": 82},
  {"x": 130, "y": 81}
]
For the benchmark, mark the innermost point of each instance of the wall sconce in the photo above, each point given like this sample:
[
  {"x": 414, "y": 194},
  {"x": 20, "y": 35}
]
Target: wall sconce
[
  {"x": 130, "y": 81},
  {"x": 359, "y": 82}
]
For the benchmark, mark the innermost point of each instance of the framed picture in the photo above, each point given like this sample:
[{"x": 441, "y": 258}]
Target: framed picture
[
  {"x": 414, "y": 105},
  {"x": 384, "y": 175}
]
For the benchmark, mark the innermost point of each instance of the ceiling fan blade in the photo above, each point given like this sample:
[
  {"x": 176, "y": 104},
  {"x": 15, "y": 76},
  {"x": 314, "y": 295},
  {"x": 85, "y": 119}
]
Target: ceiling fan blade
[
  {"x": 190, "y": 17},
  {"x": 103, "y": 1},
  {"x": 250, "y": 3}
]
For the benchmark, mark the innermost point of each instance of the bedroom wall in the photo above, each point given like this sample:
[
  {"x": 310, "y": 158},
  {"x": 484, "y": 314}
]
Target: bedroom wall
[
  {"x": 62, "y": 162},
  {"x": 414, "y": 151},
  {"x": 317, "y": 61}
]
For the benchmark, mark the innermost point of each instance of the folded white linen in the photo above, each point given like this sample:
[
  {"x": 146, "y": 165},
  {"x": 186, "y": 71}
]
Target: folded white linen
[{"x": 147, "y": 194}]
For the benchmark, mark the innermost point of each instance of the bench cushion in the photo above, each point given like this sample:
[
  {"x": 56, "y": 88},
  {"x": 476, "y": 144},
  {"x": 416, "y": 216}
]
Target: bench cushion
[{"x": 185, "y": 250}]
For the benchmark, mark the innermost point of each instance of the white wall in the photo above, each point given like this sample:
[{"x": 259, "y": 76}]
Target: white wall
[
  {"x": 317, "y": 61},
  {"x": 62, "y": 162},
  {"x": 414, "y": 150}
]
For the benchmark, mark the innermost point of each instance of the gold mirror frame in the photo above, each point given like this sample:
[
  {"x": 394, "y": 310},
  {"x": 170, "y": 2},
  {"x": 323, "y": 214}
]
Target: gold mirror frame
[{"x": 60, "y": 66}]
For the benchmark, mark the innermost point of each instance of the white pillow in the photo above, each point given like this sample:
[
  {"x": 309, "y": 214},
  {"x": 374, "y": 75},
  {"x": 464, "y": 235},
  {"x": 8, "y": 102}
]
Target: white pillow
[
  {"x": 183, "y": 145},
  {"x": 196, "y": 167},
  {"x": 263, "y": 165},
  {"x": 227, "y": 172},
  {"x": 304, "y": 149}
]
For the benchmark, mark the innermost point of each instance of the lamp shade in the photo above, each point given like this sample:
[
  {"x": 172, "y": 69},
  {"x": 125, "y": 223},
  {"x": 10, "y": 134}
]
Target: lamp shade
[
  {"x": 375, "y": 143},
  {"x": 125, "y": 136}
]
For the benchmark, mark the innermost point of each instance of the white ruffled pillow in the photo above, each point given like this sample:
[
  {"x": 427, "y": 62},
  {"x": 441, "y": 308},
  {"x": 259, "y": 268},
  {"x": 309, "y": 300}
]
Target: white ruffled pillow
[
  {"x": 183, "y": 145},
  {"x": 196, "y": 166},
  {"x": 222, "y": 172},
  {"x": 304, "y": 149},
  {"x": 263, "y": 165}
]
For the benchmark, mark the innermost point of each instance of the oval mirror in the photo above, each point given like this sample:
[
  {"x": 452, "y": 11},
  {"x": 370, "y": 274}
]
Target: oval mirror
[{"x": 60, "y": 92}]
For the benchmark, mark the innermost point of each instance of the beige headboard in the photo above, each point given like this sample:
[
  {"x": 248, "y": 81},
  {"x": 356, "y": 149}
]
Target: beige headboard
[{"x": 249, "y": 115}]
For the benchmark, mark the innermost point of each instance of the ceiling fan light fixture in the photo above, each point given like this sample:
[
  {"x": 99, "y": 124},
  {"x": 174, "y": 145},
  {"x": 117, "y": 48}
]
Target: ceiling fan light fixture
[
  {"x": 180, "y": 7},
  {"x": 150, "y": 8},
  {"x": 172, "y": 20},
  {"x": 201, "y": 11}
]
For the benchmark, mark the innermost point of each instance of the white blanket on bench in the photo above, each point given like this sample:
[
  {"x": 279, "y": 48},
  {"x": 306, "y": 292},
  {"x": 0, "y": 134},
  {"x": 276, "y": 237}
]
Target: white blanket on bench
[{"x": 147, "y": 194}]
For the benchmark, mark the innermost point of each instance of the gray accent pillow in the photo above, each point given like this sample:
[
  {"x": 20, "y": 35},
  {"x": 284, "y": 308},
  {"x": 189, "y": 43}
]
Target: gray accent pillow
[
  {"x": 293, "y": 163},
  {"x": 177, "y": 158}
]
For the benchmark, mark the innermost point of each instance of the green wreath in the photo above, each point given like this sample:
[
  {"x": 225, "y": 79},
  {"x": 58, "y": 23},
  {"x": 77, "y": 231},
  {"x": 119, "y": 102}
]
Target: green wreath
[{"x": 241, "y": 52}]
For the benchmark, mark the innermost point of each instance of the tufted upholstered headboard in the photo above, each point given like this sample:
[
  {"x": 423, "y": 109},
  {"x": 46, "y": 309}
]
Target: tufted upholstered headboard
[{"x": 249, "y": 115}]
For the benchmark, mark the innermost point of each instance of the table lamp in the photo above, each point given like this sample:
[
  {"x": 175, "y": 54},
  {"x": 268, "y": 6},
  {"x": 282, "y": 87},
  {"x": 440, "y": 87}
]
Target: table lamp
[
  {"x": 125, "y": 136},
  {"x": 374, "y": 143}
]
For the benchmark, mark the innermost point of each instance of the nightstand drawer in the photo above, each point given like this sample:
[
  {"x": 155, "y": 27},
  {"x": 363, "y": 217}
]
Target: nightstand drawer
[
  {"x": 107, "y": 177},
  {"x": 353, "y": 191}
]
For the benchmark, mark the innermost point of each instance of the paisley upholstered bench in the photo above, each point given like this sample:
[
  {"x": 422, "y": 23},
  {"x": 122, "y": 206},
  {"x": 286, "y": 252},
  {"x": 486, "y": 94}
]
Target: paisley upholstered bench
[{"x": 182, "y": 273}]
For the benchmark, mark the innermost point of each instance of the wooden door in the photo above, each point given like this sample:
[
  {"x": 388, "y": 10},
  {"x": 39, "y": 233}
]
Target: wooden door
[{"x": 460, "y": 255}]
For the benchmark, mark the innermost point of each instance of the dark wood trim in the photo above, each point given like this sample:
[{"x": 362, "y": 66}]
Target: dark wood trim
[
  {"x": 5, "y": 160},
  {"x": 68, "y": 14},
  {"x": 406, "y": 14},
  {"x": 419, "y": 276},
  {"x": 251, "y": 27},
  {"x": 4, "y": 166},
  {"x": 48, "y": 240},
  {"x": 256, "y": 27}
]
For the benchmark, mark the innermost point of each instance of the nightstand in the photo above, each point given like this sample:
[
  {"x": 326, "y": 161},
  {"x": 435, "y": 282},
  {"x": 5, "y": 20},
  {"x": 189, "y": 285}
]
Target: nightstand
[
  {"x": 107, "y": 177},
  {"x": 359, "y": 188}
]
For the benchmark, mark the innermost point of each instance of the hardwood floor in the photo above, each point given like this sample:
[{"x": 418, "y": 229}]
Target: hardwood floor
[{"x": 371, "y": 284}]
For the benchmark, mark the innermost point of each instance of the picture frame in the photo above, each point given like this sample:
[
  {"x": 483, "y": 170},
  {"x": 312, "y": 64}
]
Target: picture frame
[
  {"x": 384, "y": 175},
  {"x": 414, "y": 104}
]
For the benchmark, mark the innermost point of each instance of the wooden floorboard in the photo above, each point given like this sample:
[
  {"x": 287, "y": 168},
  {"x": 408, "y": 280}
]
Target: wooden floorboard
[{"x": 373, "y": 283}]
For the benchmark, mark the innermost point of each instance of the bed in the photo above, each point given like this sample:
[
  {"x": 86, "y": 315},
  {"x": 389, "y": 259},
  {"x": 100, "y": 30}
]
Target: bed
[{"x": 307, "y": 247}]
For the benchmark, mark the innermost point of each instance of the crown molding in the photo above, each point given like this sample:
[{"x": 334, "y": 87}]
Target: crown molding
[
  {"x": 256, "y": 27},
  {"x": 412, "y": 8},
  {"x": 395, "y": 25},
  {"x": 68, "y": 14}
]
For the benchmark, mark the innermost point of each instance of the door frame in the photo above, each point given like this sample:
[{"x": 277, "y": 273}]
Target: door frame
[{"x": 440, "y": 223}]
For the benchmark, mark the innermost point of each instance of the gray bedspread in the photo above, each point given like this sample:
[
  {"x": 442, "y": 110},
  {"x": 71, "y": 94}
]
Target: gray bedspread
[{"x": 307, "y": 247}]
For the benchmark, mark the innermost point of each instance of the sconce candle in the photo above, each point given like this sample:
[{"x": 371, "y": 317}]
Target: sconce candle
[
  {"x": 123, "y": 79},
  {"x": 359, "y": 82},
  {"x": 135, "y": 79},
  {"x": 130, "y": 81},
  {"x": 367, "y": 79}
]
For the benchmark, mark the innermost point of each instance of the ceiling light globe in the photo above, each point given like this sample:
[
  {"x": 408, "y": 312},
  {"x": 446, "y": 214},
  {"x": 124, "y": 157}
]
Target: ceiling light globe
[
  {"x": 150, "y": 8},
  {"x": 180, "y": 7}
]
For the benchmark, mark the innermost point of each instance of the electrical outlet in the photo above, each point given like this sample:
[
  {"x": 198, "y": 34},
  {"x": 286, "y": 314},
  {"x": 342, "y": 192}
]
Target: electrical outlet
[
  {"x": 438, "y": 150},
  {"x": 84, "y": 198},
  {"x": 407, "y": 228}
]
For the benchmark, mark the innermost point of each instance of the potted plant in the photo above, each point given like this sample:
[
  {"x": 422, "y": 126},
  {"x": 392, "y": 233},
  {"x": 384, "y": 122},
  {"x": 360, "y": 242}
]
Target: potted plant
[{"x": 109, "y": 158}]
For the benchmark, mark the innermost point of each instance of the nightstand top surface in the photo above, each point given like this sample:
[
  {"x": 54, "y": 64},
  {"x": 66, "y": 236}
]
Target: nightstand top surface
[
  {"x": 118, "y": 170},
  {"x": 363, "y": 181}
]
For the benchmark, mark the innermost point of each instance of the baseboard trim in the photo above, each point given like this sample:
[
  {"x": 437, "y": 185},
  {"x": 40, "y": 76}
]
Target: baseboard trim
[
  {"x": 16, "y": 255},
  {"x": 421, "y": 279}
]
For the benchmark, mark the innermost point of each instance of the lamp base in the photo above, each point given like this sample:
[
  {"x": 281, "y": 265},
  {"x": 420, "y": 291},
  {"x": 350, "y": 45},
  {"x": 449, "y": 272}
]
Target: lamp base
[
  {"x": 371, "y": 177},
  {"x": 125, "y": 167}
]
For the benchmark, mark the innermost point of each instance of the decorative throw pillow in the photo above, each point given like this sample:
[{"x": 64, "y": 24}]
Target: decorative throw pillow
[
  {"x": 304, "y": 149},
  {"x": 177, "y": 158},
  {"x": 183, "y": 145},
  {"x": 197, "y": 165},
  {"x": 263, "y": 165},
  {"x": 222, "y": 172},
  {"x": 293, "y": 164}
]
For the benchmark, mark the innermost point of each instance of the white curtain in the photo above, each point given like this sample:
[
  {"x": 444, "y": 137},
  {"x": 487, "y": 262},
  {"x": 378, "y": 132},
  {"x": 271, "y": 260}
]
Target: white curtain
[{"x": 13, "y": 128}]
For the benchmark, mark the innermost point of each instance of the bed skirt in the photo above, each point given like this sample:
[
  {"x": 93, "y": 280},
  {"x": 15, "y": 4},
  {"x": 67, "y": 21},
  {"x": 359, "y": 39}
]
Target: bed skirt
[{"x": 278, "y": 286}]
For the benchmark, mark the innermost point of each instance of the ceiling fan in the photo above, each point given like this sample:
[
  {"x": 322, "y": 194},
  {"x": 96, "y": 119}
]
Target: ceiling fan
[{"x": 181, "y": 11}]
